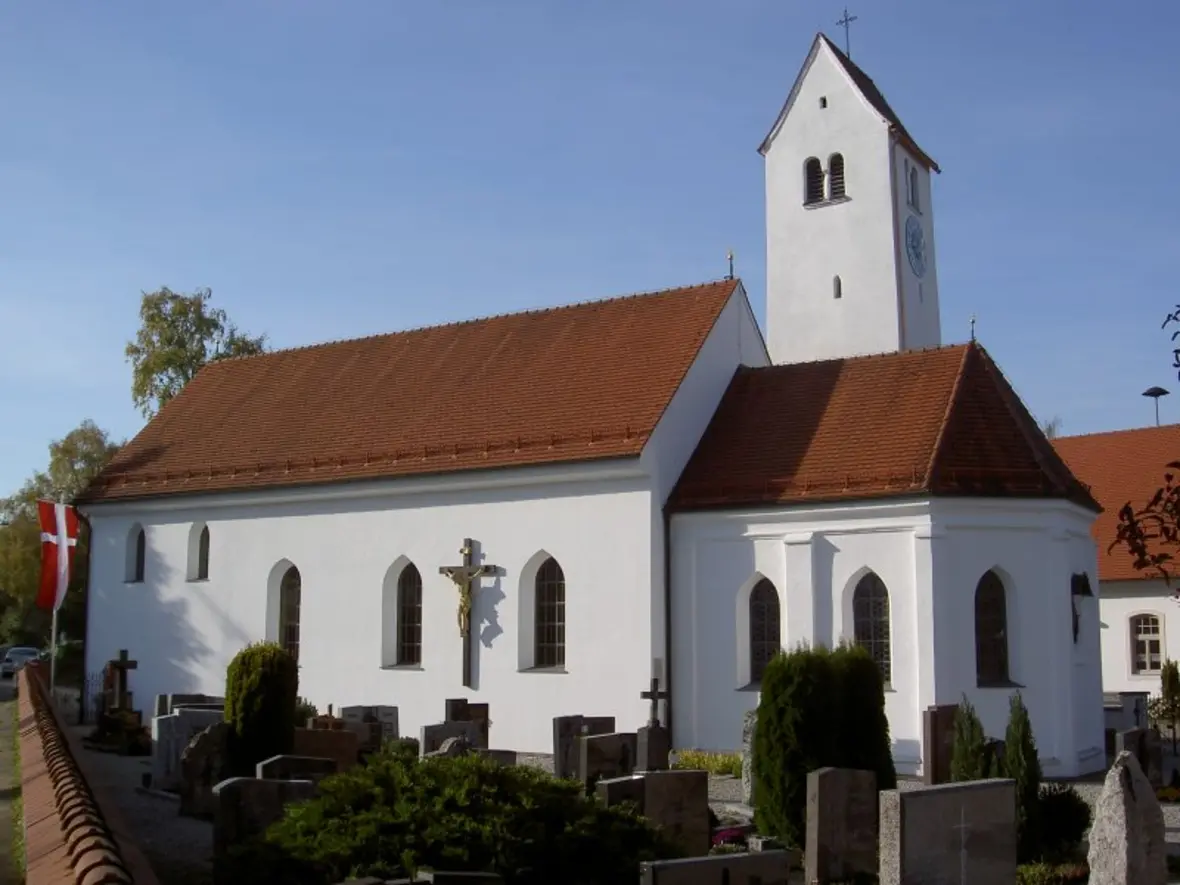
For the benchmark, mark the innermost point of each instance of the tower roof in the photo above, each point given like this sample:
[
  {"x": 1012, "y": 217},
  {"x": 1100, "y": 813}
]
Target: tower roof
[{"x": 867, "y": 88}]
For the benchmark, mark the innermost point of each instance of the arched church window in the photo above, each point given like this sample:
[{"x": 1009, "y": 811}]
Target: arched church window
[
  {"x": 409, "y": 616},
  {"x": 136, "y": 556},
  {"x": 837, "y": 287},
  {"x": 870, "y": 620},
  {"x": 991, "y": 631},
  {"x": 203, "y": 554},
  {"x": 549, "y": 632},
  {"x": 765, "y": 628},
  {"x": 1146, "y": 644},
  {"x": 813, "y": 181},
  {"x": 836, "y": 176},
  {"x": 290, "y": 591}
]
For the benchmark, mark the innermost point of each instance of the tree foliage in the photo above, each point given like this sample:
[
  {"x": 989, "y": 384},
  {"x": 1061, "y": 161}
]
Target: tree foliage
[
  {"x": 178, "y": 334},
  {"x": 74, "y": 460},
  {"x": 261, "y": 698},
  {"x": 1022, "y": 764},
  {"x": 971, "y": 759}
]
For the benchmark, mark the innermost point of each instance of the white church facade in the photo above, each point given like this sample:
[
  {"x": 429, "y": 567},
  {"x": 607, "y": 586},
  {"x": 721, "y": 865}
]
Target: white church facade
[{"x": 649, "y": 486}]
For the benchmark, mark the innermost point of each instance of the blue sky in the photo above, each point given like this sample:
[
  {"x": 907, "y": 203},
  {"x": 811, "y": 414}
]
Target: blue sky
[{"x": 336, "y": 169}]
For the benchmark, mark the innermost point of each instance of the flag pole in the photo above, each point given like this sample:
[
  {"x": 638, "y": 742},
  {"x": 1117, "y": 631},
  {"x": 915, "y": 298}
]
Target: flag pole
[{"x": 53, "y": 655}]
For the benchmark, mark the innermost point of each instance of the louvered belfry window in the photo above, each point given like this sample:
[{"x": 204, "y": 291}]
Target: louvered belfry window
[
  {"x": 836, "y": 176},
  {"x": 813, "y": 181}
]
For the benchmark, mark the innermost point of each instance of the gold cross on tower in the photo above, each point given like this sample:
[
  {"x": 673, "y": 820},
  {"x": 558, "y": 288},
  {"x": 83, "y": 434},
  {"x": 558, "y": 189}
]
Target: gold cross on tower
[{"x": 466, "y": 578}]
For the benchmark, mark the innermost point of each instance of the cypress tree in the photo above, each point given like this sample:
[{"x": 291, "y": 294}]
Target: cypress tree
[
  {"x": 970, "y": 759},
  {"x": 862, "y": 733},
  {"x": 1022, "y": 765}
]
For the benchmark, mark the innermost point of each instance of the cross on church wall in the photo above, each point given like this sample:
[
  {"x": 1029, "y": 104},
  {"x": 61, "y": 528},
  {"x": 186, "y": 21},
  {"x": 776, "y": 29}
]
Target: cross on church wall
[{"x": 466, "y": 579}]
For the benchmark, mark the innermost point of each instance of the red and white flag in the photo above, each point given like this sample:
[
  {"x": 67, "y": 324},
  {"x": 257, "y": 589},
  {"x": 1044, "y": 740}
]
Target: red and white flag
[{"x": 59, "y": 540}]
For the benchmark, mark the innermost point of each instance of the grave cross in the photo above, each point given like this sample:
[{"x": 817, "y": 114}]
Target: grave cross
[
  {"x": 655, "y": 696},
  {"x": 121, "y": 665},
  {"x": 466, "y": 578}
]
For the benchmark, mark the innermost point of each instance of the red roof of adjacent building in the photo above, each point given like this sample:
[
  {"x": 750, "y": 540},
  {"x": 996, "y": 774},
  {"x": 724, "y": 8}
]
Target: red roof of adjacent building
[
  {"x": 576, "y": 383},
  {"x": 1122, "y": 467},
  {"x": 942, "y": 421}
]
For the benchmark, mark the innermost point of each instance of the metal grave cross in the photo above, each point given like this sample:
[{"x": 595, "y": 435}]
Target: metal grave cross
[
  {"x": 466, "y": 578},
  {"x": 655, "y": 696}
]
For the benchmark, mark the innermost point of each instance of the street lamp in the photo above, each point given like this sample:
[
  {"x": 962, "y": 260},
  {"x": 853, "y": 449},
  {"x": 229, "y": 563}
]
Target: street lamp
[{"x": 1155, "y": 393}]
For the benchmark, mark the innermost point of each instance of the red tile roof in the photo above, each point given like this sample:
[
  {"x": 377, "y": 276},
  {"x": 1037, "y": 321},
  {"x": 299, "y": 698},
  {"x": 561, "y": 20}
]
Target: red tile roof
[
  {"x": 576, "y": 383},
  {"x": 935, "y": 422},
  {"x": 1125, "y": 466}
]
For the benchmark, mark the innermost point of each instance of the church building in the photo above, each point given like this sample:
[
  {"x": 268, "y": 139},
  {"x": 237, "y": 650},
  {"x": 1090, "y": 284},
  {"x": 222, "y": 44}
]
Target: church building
[{"x": 543, "y": 510}]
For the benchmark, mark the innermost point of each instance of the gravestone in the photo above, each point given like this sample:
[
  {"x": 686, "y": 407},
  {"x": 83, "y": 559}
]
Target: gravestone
[
  {"x": 295, "y": 768},
  {"x": 616, "y": 790},
  {"x": 452, "y": 747},
  {"x": 938, "y": 742},
  {"x": 341, "y": 745},
  {"x": 171, "y": 734},
  {"x": 202, "y": 766},
  {"x": 1127, "y": 844},
  {"x": 749, "y": 727},
  {"x": 763, "y": 868},
  {"x": 385, "y": 716},
  {"x": 245, "y": 807},
  {"x": 1153, "y": 757},
  {"x": 566, "y": 731},
  {"x": 462, "y": 710},
  {"x": 678, "y": 803},
  {"x": 653, "y": 743},
  {"x": 507, "y": 758},
  {"x": 167, "y": 704},
  {"x": 605, "y": 756},
  {"x": 961, "y": 832},
  {"x": 841, "y": 824},
  {"x": 431, "y": 737}
]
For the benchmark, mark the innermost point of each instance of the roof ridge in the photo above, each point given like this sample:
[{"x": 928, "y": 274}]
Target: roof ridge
[
  {"x": 1122, "y": 430},
  {"x": 299, "y": 348},
  {"x": 952, "y": 399},
  {"x": 862, "y": 357}
]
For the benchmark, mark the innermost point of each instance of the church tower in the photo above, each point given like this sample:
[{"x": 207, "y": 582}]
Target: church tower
[{"x": 849, "y": 221}]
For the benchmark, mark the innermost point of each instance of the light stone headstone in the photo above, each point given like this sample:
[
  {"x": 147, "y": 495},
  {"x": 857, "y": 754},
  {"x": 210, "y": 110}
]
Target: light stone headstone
[
  {"x": 171, "y": 734},
  {"x": 959, "y": 832},
  {"x": 749, "y": 727},
  {"x": 1127, "y": 844}
]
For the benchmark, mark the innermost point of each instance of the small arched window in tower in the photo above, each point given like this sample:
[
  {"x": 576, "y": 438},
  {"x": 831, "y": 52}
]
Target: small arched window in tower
[
  {"x": 914, "y": 189},
  {"x": 813, "y": 181},
  {"x": 836, "y": 176},
  {"x": 837, "y": 287}
]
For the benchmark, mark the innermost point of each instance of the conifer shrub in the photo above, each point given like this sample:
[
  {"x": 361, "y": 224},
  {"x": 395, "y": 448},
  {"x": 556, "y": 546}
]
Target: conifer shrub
[
  {"x": 393, "y": 816},
  {"x": 971, "y": 760},
  {"x": 1022, "y": 765},
  {"x": 862, "y": 730},
  {"x": 261, "y": 686},
  {"x": 1065, "y": 817},
  {"x": 797, "y": 718}
]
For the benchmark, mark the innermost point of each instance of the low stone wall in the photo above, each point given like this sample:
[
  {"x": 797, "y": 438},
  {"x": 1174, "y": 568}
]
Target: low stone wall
[{"x": 72, "y": 833}]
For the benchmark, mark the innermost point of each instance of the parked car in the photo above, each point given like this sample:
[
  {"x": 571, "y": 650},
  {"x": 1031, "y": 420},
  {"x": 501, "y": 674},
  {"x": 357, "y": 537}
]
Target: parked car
[{"x": 16, "y": 658}]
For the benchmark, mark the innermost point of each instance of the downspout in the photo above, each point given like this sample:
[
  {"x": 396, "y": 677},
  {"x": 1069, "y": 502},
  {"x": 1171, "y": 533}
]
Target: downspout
[
  {"x": 897, "y": 244},
  {"x": 668, "y": 621}
]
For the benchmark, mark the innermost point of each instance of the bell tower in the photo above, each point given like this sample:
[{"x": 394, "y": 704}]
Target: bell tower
[{"x": 849, "y": 221}]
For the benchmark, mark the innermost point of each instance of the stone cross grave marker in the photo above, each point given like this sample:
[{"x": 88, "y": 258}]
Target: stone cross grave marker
[
  {"x": 653, "y": 744},
  {"x": 841, "y": 835},
  {"x": 961, "y": 833},
  {"x": 654, "y": 695},
  {"x": 120, "y": 666},
  {"x": 466, "y": 578}
]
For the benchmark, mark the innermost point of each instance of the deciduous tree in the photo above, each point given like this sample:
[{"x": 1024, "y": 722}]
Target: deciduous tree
[{"x": 178, "y": 334}]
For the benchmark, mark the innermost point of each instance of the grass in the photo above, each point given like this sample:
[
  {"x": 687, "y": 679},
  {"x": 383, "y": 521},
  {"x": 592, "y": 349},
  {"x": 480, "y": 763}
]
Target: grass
[
  {"x": 18, "y": 805},
  {"x": 714, "y": 763}
]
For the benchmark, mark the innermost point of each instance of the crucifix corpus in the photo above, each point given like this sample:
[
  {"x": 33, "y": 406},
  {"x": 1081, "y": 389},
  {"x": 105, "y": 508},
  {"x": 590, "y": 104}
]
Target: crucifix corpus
[{"x": 466, "y": 578}]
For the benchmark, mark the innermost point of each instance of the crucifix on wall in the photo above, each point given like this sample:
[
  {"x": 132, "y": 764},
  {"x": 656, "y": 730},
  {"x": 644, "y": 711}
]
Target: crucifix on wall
[{"x": 466, "y": 578}]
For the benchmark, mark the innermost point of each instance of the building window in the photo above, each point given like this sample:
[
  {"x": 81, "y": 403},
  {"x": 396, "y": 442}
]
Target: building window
[
  {"x": 813, "y": 182},
  {"x": 836, "y": 176},
  {"x": 823, "y": 101},
  {"x": 991, "y": 631},
  {"x": 409, "y": 617},
  {"x": 549, "y": 635},
  {"x": 765, "y": 628},
  {"x": 136, "y": 556},
  {"x": 837, "y": 287},
  {"x": 870, "y": 618},
  {"x": 290, "y": 591},
  {"x": 1146, "y": 645},
  {"x": 914, "y": 189},
  {"x": 203, "y": 554}
]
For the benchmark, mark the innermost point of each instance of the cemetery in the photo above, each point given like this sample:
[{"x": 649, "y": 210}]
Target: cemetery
[{"x": 269, "y": 794}]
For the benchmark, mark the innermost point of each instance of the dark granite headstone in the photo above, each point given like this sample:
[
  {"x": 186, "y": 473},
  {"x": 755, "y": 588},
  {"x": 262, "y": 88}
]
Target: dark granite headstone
[
  {"x": 763, "y": 868},
  {"x": 652, "y": 748},
  {"x": 938, "y": 742},
  {"x": 566, "y": 731},
  {"x": 678, "y": 803},
  {"x": 842, "y": 811},
  {"x": 245, "y": 807},
  {"x": 616, "y": 790},
  {"x": 605, "y": 756}
]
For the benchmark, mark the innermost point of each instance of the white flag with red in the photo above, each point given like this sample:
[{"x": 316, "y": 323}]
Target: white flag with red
[{"x": 59, "y": 540}]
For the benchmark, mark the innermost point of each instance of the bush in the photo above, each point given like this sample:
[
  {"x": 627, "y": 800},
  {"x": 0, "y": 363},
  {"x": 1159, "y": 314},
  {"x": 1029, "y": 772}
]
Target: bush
[
  {"x": 1022, "y": 765},
  {"x": 304, "y": 710},
  {"x": 391, "y": 817},
  {"x": 1052, "y": 874},
  {"x": 261, "y": 686},
  {"x": 797, "y": 717},
  {"x": 1065, "y": 818},
  {"x": 863, "y": 727},
  {"x": 971, "y": 760},
  {"x": 714, "y": 763}
]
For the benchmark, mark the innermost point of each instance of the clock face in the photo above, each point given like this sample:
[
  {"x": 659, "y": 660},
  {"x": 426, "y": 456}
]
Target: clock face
[{"x": 915, "y": 246}]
